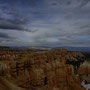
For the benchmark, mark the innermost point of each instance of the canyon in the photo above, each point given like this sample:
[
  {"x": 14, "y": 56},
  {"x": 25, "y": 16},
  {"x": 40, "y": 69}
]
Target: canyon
[{"x": 54, "y": 69}]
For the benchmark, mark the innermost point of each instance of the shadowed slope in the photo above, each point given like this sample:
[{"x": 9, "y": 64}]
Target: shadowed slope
[{"x": 6, "y": 85}]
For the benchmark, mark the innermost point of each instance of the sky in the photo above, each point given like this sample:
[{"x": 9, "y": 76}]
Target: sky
[{"x": 48, "y": 23}]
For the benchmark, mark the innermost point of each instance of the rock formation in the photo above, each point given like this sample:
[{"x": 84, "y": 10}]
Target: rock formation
[
  {"x": 40, "y": 70},
  {"x": 84, "y": 71}
]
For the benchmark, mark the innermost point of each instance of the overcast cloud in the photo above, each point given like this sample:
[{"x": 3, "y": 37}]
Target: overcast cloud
[{"x": 45, "y": 23}]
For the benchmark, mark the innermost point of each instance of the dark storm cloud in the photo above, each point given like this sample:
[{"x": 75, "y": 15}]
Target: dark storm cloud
[
  {"x": 3, "y": 35},
  {"x": 81, "y": 3},
  {"x": 85, "y": 26},
  {"x": 22, "y": 2},
  {"x": 35, "y": 12},
  {"x": 84, "y": 2},
  {"x": 11, "y": 25},
  {"x": 5, "y": 38},
  {"x": 12, "y": 20}
]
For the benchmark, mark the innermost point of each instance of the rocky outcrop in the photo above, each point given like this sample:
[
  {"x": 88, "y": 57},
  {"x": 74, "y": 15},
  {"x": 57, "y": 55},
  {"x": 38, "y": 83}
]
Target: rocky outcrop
[
  {"x": 84, "y": 71},
  {"x": 42, "y": 70}
]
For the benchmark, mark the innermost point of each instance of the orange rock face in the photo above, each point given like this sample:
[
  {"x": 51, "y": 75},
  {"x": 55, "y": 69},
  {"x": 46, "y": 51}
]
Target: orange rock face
[
  {"x": 42, "y": 70},
  {"x": 84, "y": 71}
]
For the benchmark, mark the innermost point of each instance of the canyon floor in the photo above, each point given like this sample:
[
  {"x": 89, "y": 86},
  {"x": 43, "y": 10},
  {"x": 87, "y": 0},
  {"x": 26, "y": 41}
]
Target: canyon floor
[{"x": 36, "y": 69}]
